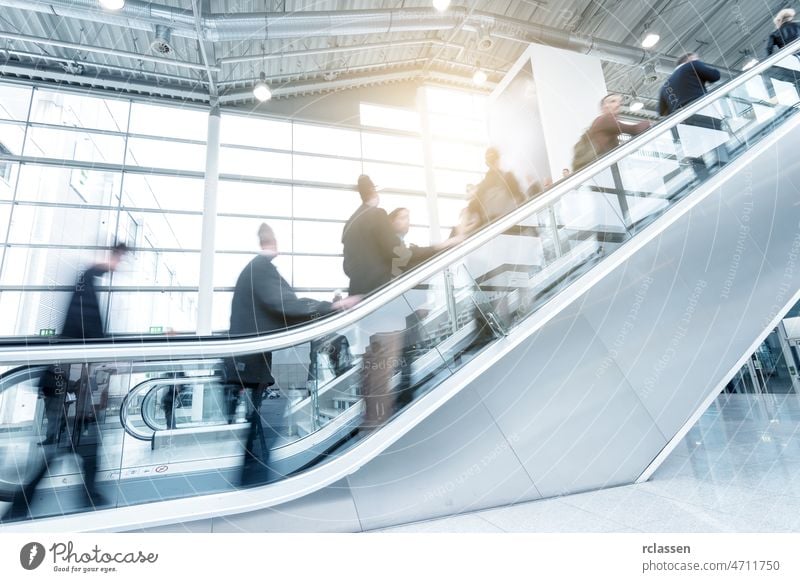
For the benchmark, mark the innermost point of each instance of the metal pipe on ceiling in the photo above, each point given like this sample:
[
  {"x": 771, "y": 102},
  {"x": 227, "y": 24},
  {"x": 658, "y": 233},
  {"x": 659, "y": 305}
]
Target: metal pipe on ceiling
[
  {"x": 301, "y": 24},
  {"x": 103, "y": 50}
]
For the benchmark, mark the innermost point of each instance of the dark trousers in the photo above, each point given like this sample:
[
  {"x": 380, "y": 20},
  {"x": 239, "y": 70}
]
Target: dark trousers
[{"x": 57, "y": 406}]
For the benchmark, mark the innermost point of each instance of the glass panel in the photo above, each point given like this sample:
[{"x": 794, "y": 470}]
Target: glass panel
[
  {"x": 163, "y": 231},
  {"x": 159, "y": 153},
  {"x": 11, "y": 137},
  {"x": 74, "y": 145},
  {"x": 221, "y": 312},
  {"x": 452, "y": 126},
  {"x": 390, "y": 117},
  {"x": 60, "y": 225},
  {"x": 138, "y": 312},
  {"x": 326, "y": 170},
  {"x": 254, "y": 199},
  {"x": 391, "y": 176},
  {"x": 392, "y": 148},
  {"x": 162, "y": 192},
  {"x": 256, "y": 131},
  {"x": 14, "y": 102},
  {"x": 322, "y": 203},
  {"x": 46, "y": 266},
  {"x": 8, "y": 179},
  {"x": 34, "y": 311},
  {"x": 461, "y": 103},
  {"x": 318, "y": 237},
  {"x": 316, "y": 139},
  {"x": 165, "y": 121},
  {"x": 159, "y": 269},
  {"x": 61, "y": 108},
  {"x": 241, "y": 234},
  {"x": 244, "y": 162},
  {"x": 68, "y": 186},
  {"x": 320, "y": 272}
]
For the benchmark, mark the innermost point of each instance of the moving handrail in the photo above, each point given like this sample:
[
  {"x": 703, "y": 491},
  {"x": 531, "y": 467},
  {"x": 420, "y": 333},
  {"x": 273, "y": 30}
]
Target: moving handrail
[{"x": 215, "y": 347}]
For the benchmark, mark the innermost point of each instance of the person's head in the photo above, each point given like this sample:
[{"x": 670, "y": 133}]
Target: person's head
[
  {"x": 117, "y": 254},
  {"x": 367, "y": 190},
  {"x": 784, "y": 16},
  {"x": 492, "y": 158},
  {"x": 266, "y": 238},
  {"x": 565, "y": 172},
  {"x": 611, "y": 103},
  {"x": 687, "y": 58},
  {"x": 401, "y": 221}
]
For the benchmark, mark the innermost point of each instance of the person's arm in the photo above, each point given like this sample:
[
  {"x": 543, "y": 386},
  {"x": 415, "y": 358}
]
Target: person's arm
[
  {"x": 276, "y": 295},
  {"x": 705, "y": 72}
]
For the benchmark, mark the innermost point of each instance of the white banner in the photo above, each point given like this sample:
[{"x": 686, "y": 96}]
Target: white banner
[{"x": 402, "y": 557}]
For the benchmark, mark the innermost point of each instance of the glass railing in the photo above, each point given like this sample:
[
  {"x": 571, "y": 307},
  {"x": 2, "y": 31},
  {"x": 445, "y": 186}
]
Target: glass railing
[{"x": 148, "y": 421}]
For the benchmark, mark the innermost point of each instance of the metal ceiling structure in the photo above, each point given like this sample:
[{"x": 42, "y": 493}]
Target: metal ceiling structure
[{"x": 204, "y": 50}]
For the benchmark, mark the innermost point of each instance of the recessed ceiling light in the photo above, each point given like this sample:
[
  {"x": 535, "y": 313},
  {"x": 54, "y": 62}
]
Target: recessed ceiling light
[
  {"x": 261, "y": 90},
  {"x": 441, "y": 5},
  {"x": 636, "y": 106},
  {"x": 650, "y": 40},
  {"x": 112, "y": 4}
]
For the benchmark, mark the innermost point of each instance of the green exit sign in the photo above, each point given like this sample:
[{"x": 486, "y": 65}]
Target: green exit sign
[
  {"x": 156, "y": 329},
  {"x": 47, "y": 331}
]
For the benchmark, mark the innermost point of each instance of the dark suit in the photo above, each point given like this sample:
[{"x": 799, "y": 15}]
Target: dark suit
[
  {"x": 788, "y": 32},
  {"x": 370, "y": 247},
  {"x": 685, "y": 84},
  {"x": 263, "y": 302},
  {"x": 83, "y": 319}
]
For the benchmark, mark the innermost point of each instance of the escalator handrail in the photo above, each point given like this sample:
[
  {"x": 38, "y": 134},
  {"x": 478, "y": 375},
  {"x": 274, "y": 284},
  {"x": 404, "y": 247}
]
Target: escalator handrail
[{"x": 223, "y": 347}]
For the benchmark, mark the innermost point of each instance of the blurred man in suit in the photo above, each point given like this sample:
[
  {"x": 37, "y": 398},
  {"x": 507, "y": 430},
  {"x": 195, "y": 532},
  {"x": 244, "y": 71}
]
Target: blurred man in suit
[{"x": 264, "y": 302}]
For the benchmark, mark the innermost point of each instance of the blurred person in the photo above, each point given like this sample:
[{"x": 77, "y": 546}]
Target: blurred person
[
  {"x": 264, "y": 302},
  {"x": 83, "y": 321},
  {"x": 786, "y": 31},
  {"x": 603, "y": 135},
  {"x": 499, "y": 192},
  {"x": 565, "y": 173},
  {"x": 687, "y": 83},
  {"x": 374, "y": 250}
]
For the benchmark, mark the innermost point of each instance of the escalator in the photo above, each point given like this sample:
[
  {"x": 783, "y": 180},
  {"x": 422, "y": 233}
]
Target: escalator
[{"x": 566, "y": 347}]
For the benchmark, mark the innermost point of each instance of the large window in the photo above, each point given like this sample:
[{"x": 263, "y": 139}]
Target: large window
[{"x": 80, "y": 171}]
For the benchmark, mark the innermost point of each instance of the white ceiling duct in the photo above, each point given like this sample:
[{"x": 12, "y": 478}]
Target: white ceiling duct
[{"x": 302, "y": 24}]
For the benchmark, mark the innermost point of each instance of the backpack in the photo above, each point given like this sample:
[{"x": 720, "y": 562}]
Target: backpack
[{"x": 583, "y": 153}]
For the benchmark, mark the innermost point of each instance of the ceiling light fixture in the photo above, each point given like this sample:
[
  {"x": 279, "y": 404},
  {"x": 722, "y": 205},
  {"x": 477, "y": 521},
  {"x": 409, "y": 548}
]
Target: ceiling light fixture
[
  {"x": 112, "y": 4},
  {"x": 441, "y": 5},
  {"x": 262, "y": 91},
  {"x": 480, "y": 77},
  {"x": 650, "y": 40},
  {"x": 636, "y": 106},
  {"x": 750, "y": 64}
]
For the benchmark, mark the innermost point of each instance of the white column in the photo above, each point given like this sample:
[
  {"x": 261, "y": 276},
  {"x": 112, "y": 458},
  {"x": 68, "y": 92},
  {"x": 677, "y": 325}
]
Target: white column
[
  {"x": 430, "y": 178},
  {"x": 208, "y": 244}
]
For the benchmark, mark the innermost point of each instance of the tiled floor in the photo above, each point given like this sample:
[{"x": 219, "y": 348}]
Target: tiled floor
[{"x": 737, "y": 470}]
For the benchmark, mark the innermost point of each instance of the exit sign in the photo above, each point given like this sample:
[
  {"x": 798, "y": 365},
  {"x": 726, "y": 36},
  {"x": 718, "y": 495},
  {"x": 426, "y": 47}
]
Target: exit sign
[
  {"x": 156, "y": 329},
  {"x": 47, "y": 331}
]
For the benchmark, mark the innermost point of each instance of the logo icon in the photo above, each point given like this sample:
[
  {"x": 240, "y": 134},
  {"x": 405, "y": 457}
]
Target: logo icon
[{"x": 31, "y": 555}]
